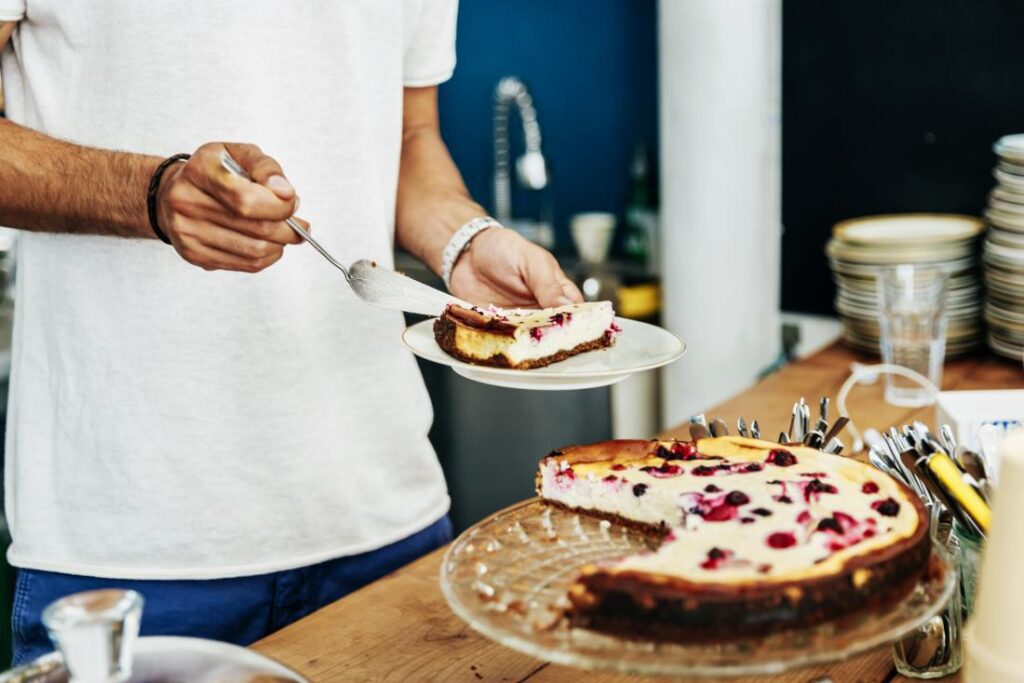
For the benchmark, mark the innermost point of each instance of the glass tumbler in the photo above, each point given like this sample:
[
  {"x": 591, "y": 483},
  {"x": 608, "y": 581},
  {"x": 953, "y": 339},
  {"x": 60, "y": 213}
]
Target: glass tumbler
[{"x": 912, "y": 319}]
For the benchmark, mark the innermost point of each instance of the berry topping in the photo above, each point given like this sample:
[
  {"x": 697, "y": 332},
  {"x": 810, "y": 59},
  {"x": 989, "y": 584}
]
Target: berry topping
[
  {"x": 665, "y": 469},
  {"x": 639, "y": 490},
  {"x": 537, "y": 333},
  {"x": 610, "y": 477},
  {"x": 816, "y": 475},
  {"x": 716, "y": 558},
  {"x": 781, "y": 539},
  {"x": 560, "y": 319},
  {"x": 764, "y": 568},
  {"x": 803, "y": 517},
  {"x": 737, "y": 498},
  {"x": 814, "y": 487},
  {"x": 781, "y": 458},
  {"x": 720, "y": 513},
  {"x": 723, "y": 468},
  {"x": 887, "y": 507},
  {"x": 784, "y": 499},
  {"x": 618, "y": 468},
  {"x": 830, "y": 524},
  {"x": 747, "y": 520},
  {"x": 679, "y": 450},
  {"x": 869, "y": 487},
  {"x": 711, "y": 488},
  {"x": 762, "y": 512}
]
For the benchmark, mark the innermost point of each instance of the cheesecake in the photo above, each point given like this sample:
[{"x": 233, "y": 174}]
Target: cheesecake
[
  {"x": 525, "y": 339},
  {"x": 749, "y": 536}
]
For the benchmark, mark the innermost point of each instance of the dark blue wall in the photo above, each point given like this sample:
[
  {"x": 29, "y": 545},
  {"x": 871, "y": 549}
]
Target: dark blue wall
[{"x": 592, "y": 68}]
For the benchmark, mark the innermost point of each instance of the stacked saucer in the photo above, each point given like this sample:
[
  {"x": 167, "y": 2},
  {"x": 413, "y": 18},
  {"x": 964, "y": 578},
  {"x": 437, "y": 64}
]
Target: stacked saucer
[
  {"x": 861, "y": 246},
  {"x": 1003, "y": 260}
]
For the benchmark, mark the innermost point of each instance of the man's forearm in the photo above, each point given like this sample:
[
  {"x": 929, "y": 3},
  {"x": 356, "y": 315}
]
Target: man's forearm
[
  {"x": 49, "y": 185},
  {"x": 432, "y": 199},
  {"x": 6, "y": 29}
]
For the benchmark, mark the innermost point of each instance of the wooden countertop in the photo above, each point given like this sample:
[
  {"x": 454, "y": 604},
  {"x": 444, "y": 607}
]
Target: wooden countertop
[{"x": 400, "y": 628}]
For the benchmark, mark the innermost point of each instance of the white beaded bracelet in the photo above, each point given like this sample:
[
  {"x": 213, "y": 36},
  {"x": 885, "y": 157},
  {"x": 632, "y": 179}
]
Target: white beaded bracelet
[{"x": 459, "y": 242}]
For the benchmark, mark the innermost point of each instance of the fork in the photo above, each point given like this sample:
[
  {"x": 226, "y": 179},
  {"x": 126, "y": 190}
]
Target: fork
[{"x": 371, "y": 282}]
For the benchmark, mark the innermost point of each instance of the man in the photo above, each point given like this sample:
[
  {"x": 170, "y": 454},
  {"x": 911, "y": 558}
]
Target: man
[{"x": 239, "y": 448}]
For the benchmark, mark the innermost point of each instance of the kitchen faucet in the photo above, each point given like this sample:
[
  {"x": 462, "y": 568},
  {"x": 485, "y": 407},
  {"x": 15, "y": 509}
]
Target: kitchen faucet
[{"x": 531, "y": 167}]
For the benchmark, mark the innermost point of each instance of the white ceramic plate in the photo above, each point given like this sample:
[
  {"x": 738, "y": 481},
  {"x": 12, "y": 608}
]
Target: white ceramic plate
[
  {"x": 908, "y": 228},
  {"x": 1010, "y": 147},
  {"x": 638, "y": 347}
]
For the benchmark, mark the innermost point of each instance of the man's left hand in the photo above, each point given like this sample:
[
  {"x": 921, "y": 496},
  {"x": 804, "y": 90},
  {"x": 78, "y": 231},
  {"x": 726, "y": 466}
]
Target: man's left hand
[{"x": 503, "y": 268}]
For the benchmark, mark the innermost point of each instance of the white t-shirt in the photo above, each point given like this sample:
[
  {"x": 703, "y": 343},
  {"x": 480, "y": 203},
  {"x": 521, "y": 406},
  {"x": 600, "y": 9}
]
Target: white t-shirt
[{"x": 168, "y": 422}]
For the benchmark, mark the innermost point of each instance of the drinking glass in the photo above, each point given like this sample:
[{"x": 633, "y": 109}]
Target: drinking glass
[{"x": 912, "y": 318}]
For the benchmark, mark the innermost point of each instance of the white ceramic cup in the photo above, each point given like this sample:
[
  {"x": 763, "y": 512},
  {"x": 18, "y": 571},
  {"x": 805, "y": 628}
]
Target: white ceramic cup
[
  {"x": 592, "y": 234},
  {"x": 992, "y": 639}
]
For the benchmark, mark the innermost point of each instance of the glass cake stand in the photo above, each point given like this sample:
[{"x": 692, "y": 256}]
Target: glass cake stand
[{"x": 508, "y": 576}]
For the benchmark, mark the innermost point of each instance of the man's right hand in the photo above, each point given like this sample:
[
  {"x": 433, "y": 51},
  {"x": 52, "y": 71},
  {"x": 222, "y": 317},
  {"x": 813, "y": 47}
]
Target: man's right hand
[{"x": 218, "y": 221}]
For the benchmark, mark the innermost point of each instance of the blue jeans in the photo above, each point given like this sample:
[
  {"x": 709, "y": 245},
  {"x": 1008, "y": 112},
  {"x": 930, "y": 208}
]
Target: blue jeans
[{"x": 240, "y": 610}]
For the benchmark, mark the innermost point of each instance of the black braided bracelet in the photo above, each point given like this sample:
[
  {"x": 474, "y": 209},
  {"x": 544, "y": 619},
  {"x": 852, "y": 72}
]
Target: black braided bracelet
[{"x": 154, "y": 185}]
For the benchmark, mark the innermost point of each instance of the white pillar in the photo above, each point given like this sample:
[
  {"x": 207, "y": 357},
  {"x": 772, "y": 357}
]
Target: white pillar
[{"x": 720, "y": 85}]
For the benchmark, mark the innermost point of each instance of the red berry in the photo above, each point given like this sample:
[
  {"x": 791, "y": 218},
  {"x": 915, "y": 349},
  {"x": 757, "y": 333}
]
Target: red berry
[
  {"x": 781, "y": 458},
  {"x": 781, "y": 539},
  {"x": 639, "y": 490},
  {"x": 711, "y": 488},
  {"x": 869, "y": 487}
]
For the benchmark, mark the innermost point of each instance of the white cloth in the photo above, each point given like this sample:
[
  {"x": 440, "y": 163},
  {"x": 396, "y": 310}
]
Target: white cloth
[{"x": 167, "y": 422}]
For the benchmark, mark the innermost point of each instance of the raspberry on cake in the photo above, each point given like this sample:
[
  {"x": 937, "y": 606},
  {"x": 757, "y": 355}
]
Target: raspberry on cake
[
  {"x": 524, "y": 339},
  {"x": 753, "y": 536}
]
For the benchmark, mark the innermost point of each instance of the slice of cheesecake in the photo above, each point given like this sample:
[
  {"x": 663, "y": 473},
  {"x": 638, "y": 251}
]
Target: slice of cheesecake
[{"x": 524, "y": 339}]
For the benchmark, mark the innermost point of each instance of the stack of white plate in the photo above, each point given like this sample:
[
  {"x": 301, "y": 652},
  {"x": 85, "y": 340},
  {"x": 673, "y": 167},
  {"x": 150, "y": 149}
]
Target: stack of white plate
[
  {"x": 1004, "y": 251},
  {"x": 861, "y": 246}
]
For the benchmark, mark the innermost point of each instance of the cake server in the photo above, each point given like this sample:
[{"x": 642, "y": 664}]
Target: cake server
[{"x": 371, "y": 282}]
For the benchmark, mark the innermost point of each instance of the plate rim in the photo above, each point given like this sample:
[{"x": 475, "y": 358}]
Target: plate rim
[
  {"x": 568, "y": 378},
  {"x": 841, "y": 229}
]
